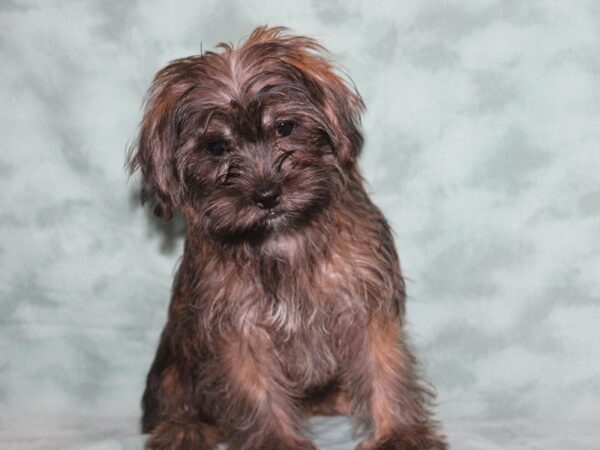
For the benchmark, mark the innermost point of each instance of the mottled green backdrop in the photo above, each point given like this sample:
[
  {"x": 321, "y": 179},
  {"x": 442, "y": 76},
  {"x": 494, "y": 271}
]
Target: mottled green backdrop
[{"x": 482, "y": 148}]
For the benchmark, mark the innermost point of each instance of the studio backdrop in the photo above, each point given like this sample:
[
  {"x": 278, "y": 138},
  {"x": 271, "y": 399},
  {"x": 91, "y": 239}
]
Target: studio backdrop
[{"x": 482, "y": 131}]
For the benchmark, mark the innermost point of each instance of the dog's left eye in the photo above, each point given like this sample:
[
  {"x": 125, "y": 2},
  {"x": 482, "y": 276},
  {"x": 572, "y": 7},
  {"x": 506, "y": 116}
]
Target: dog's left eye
[
  {"x": 216, "y": 148},
  {"x": 285, "y": 128}
]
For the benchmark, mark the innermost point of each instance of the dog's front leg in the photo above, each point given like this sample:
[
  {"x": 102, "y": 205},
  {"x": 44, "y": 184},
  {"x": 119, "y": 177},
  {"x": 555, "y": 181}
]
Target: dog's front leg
[
  {"x": 170, "y": 413},
  {"x": 260, "y": 410},
  {"x": 386, "y": 393}
]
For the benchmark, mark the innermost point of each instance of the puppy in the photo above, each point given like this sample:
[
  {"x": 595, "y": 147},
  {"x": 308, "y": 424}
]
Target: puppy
[{"x": 289, "y": 299}]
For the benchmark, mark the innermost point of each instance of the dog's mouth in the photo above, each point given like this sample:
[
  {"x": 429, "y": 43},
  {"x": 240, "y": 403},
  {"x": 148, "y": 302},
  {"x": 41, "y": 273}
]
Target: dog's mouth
[{"x": 273, "y": 215}]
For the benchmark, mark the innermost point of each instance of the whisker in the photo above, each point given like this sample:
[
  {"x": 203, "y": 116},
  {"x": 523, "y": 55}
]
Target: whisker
[{"x": 281, "y": 159}]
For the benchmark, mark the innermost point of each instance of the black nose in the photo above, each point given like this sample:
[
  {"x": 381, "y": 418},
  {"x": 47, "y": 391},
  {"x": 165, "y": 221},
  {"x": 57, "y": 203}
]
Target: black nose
[{"x": 267, "y": 197}]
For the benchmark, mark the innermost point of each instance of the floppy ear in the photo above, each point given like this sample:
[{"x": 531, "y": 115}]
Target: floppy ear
[
  {"x": 333, "y": 91},
  {"x": 153, "y": 151},
  {"x": 341, "y": 104}
]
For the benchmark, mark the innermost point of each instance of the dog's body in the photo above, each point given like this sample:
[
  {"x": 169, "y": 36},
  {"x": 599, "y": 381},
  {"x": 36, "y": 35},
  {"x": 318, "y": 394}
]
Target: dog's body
[{"x": 289, "y": 298}]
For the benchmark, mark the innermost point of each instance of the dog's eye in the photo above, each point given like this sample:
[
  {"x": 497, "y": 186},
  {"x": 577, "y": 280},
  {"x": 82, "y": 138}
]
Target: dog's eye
[
  {"x": 216, "y": 148},
  {"x": 285, "y": 128}
]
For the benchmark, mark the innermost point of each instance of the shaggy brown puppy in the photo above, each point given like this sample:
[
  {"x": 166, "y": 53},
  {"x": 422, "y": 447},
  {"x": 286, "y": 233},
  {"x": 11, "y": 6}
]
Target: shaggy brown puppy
[{"x": 289, "y": 298}]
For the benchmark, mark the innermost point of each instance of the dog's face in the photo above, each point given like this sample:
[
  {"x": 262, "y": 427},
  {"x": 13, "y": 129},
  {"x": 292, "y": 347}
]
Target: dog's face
[{"x": 249, "y": 140}]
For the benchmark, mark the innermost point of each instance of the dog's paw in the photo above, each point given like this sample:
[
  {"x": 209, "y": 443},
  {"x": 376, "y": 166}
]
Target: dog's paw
[{"x": 183, "y": 435}]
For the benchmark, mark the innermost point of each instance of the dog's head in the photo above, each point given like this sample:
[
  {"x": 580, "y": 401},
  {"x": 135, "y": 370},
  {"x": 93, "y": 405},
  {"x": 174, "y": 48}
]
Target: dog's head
[{"x": 249, "y": 139}]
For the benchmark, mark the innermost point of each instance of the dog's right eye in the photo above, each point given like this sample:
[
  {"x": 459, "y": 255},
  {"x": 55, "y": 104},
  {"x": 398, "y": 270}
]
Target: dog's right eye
[
  {"x": 285, "y": 128},
  {"x": 216, "y": 148}
]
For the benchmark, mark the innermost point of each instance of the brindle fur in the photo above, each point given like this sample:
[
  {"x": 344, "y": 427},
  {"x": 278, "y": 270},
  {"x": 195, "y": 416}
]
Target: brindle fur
[{"x": 275, "y": 314}]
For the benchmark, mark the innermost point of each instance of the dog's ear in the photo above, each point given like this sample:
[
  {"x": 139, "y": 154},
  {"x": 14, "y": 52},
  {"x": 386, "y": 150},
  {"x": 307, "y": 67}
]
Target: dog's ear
[
  {"x": 341, "y": 104},
  {"x": 153, "y": 151},
  {"x": 331, "y": 89}
]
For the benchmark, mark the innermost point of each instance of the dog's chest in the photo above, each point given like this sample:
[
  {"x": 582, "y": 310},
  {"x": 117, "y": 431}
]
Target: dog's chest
[{"x": 311, "y": 311}]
